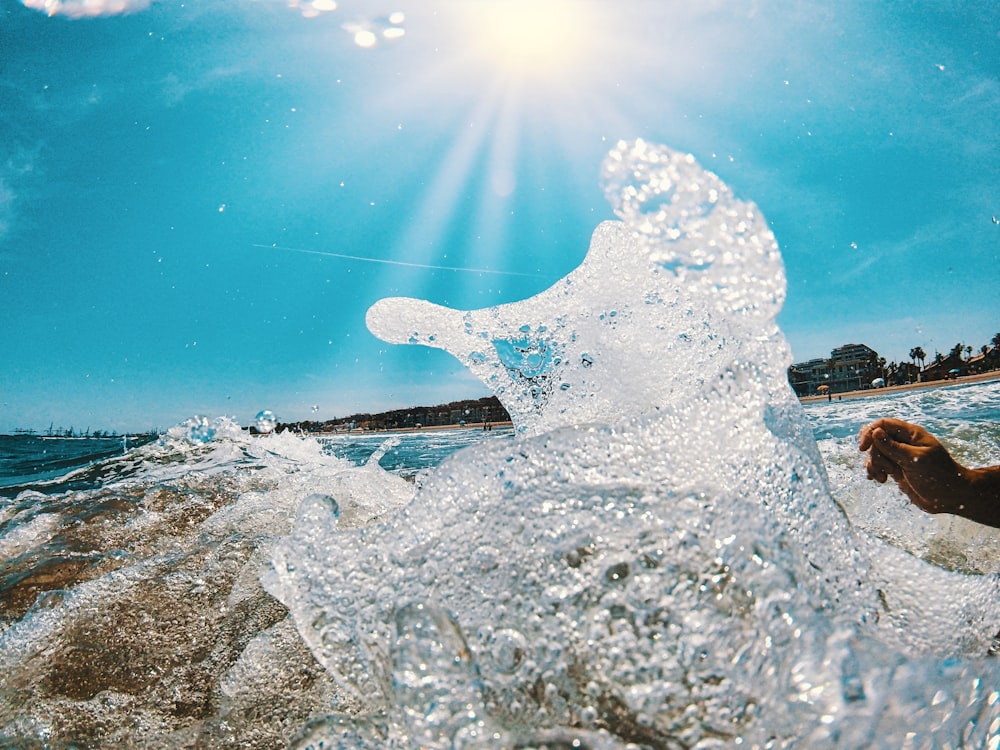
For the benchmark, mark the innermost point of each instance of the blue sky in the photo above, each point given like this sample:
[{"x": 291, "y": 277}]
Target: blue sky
[{"x": 163, "y": 165}]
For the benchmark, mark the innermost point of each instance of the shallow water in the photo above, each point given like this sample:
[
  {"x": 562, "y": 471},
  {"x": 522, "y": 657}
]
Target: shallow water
[
  {"x": 662, "y": 556},
  {"x": 407, "y": 454}
]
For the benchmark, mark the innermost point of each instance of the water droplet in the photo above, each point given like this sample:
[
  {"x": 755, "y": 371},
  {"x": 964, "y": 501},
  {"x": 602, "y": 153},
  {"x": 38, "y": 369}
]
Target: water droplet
[{"x": 265, "y": 421}]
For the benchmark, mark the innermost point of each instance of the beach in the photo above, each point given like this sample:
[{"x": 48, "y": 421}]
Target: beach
[{"x": 982, "y": 377}]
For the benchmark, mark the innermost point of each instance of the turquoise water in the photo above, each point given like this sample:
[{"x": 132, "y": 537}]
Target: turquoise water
[
  {"x": 409, "y": 453},
  {"x": 56, "y": 463}
]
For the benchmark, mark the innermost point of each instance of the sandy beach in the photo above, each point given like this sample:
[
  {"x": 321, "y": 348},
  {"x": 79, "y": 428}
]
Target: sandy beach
[{"x": 867, "y": 392}]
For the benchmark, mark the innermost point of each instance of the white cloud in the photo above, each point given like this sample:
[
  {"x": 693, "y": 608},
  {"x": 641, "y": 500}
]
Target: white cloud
[
  {"x": 87, "y": 8},
  {"x": 99, "y": 8}
]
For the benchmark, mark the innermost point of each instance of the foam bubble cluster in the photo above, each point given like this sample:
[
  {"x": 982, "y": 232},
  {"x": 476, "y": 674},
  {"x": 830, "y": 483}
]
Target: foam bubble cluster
[{"x": 199, "y": 429}]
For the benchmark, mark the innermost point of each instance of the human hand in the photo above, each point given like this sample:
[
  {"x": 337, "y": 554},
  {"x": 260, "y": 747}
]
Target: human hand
[{"x": 921, "y": 467}]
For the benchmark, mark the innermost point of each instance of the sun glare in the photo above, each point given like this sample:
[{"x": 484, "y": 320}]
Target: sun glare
[
  {"x": 527, "y": 37},
  {"x": 514, "y": 75}
]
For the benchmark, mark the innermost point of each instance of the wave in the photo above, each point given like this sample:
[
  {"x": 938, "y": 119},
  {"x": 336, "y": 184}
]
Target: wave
[{"x": 27, "y": 461}]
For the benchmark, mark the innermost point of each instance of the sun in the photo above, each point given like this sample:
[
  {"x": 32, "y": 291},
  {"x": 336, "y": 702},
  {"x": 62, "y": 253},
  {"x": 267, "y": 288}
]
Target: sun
[{"x": 540, "y": 39}]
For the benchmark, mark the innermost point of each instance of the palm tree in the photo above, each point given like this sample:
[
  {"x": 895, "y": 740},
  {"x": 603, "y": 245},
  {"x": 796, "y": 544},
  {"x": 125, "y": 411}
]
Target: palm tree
[
  {"x": 956, "y": 351},
  {"x": 995, "y": 341},
  {"x": 918, "y": 353},
  {"x": 968, "y": 352}
]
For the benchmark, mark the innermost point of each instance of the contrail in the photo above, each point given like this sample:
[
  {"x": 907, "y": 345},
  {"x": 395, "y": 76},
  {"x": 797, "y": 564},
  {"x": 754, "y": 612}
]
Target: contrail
[{"x": 398, "y": 262}]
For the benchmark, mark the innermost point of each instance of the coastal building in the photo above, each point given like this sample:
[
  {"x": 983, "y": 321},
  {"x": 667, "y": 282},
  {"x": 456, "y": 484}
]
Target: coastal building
[
  {"x": 986, "y": 360},
  {"x": 850, "y": 367},
  {"x": 902, "y": 373},
  {"x": 944, "y": 368},
  {"x": 954, "y": 365},
  {"x": 806, "y": 377},
  {"x": 853, "y": 367}
]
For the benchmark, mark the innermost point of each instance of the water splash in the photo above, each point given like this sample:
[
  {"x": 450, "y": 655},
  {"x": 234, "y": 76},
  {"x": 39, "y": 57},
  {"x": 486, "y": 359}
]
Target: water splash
[
  {"x": 663, "y": 303},
  {"x": 657, "y": 559},
  {"x": 199, "y": 429}
]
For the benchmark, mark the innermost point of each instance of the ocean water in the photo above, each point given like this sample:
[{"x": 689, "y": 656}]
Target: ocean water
[
  {"x": 667, "y": 550},
  {"x": 29, "y": 460}
]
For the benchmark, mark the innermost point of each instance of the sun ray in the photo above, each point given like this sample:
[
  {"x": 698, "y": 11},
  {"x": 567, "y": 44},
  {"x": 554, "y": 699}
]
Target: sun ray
[{"x": 428, "y": 225}]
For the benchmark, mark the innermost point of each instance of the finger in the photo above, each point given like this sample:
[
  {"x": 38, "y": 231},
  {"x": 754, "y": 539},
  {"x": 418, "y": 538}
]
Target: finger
[
  {"x": 865, "y": 437},
  {"x": 873, "y": 470},
  {"x": 880, "y": 468},
  {"x": 875, "y": 474},
  {"x": 904, "y": 432},
  {"x": 900, "y": 453},
  {"x": 894, "y": 427}
]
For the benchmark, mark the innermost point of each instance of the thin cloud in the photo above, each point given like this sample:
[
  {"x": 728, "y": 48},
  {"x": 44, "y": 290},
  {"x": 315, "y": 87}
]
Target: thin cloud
[
  {"x": 176, "y": 89},
  {"x": 11, "y": 171},
  {"x": 6, "y": 207},
  {"x": 388, "y": 262},
  {"x": 925, "y": 240}
]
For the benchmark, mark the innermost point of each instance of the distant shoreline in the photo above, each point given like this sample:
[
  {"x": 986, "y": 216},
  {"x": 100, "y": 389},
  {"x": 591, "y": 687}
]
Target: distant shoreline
[
  {"x": 981, "y": 377},
  {"x": 426, "y": 428}
]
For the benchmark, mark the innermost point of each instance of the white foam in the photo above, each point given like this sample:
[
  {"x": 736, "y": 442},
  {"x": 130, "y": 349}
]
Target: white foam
[{"x": 22, "y": 537}]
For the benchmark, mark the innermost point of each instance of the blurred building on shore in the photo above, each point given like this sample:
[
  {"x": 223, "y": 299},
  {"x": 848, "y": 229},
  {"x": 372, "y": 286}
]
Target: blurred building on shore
[{"x": 855, "y": 367}]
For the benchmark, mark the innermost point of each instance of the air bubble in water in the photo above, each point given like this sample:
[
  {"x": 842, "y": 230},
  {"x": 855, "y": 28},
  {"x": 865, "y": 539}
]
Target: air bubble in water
[{"x": 508, "y": 650}]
